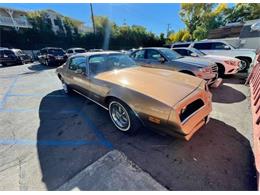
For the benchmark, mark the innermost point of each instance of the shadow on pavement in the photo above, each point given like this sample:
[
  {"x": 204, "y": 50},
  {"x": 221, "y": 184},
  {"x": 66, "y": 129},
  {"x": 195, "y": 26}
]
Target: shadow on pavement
[
  {"x": 216, "y": 158},
  {"x": 40, "y": 67},
  {"x": 227, "y": 94},
  {"x": 239, "y": 78}
]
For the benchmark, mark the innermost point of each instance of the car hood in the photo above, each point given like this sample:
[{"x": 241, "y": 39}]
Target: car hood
[
  {"x": 246, "y": 50},
  {"x": 222, "y": 58},
  {"x": 166, "y": 86},
  {"x": 199, "y": 62}
]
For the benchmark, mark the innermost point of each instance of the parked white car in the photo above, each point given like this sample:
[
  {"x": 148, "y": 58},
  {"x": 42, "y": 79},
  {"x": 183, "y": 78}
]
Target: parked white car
[
  {"x": 72, "y": 51},
  {"x": 215, "y": 47},
  {"x": 226, "y": 65}
]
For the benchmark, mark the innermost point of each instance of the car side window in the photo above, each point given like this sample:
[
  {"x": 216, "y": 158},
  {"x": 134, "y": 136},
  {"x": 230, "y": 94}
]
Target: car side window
[
  {"x": 78, "y": 63},
  {"x": 219, "y": 46},
  {"x": 183, "y": 52},
  {"x": 153, "y": 54},
  {"x": 96, "y": 64},
  {"x": 138, "y": 54},
  {"x": 203, "y": 46},
  {"x": 69, "y": 51}
]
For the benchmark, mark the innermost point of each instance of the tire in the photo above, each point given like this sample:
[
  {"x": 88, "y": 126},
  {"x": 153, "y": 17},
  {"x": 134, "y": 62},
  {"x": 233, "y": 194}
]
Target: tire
[
  {"x": 123, "y": 117},
  {"x": 245, "y": 64},
  {"x": 47, "y": 63},
  {"x": 65, "y": 87},
  {"x": 221, "y": 70}
]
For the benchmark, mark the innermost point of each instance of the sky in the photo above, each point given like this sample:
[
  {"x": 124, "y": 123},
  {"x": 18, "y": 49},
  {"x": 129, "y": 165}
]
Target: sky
[{"x": 155, "y": 17}]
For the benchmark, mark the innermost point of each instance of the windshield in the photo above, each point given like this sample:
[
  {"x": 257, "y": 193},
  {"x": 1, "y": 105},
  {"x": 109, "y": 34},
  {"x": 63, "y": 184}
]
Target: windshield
[
  {"x": 104, "y": 63},
  {"x": 172, "y": 55},
  {"x": 56, "y": 51},
  {"x": 80, "y": 51}
]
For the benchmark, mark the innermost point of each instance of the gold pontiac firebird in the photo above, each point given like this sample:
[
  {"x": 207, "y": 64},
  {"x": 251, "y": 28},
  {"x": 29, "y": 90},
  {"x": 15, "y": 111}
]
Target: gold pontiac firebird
[{"x": 136, "y": 96}]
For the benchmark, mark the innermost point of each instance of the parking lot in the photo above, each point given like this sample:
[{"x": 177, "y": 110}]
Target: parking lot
[{"x": 47, "y": 137}]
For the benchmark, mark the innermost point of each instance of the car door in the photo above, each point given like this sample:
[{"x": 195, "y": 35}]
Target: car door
[
  {"x": 98, "y": 89},
  {"x": 42, "y": 55},
  {"x": 77, "y": 75}
]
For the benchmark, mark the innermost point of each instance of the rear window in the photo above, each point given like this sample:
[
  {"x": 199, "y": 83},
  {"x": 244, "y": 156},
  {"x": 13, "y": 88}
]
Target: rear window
[
  {"x": 180, "y": 45},
  {"x": 56, "y": 51},
  {"x": 80, "y": 51}
]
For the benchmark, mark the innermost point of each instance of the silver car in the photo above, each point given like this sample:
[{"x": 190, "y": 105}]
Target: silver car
[{"x": 159, "y": 57}]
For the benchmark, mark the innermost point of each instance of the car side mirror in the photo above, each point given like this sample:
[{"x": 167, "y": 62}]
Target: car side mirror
[
  {"x": 79, "y": 71},
  {"x": 194, "y": 55},
  {"x": 162, "y": 60},
  {"x": 226, "y": 47}
]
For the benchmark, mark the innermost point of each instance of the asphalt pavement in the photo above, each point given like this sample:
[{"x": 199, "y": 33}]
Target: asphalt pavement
[{"x": 47, "y": 138}]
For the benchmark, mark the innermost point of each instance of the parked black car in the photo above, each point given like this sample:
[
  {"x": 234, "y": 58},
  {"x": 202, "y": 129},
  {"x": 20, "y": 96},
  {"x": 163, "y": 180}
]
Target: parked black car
[
  {"x": 8, "y": 57},
  {"x": 52, "y": 56},
  {"x": 25, "y": 58}
]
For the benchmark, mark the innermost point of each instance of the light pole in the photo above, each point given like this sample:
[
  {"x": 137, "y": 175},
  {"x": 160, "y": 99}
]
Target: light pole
[{"x": 92, "y": 16}]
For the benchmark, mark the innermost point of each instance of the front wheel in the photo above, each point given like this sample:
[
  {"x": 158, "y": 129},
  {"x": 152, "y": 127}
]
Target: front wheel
[
  {"x": 123, "y": 117},
  {"x": 244, "y": 65}
]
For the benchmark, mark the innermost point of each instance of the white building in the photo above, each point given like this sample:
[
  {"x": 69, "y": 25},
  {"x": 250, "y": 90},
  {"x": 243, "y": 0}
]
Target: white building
[
  {"x": 13, "y": 18},
  {"x": 17, "y": 19}
]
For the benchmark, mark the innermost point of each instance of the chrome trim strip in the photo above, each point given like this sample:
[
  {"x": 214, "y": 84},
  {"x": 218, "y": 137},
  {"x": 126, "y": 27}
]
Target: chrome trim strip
[{"x": 91, "y": 99}]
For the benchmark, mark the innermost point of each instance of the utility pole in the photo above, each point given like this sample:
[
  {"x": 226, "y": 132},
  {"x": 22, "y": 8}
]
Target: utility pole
[
  {"x": 92, "y": 16},
  {"x": 168, "y": 29}
]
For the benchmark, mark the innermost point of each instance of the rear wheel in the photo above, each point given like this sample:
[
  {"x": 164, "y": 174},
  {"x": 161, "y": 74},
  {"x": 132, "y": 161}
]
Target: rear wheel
[
  {"x": 123, "y": 117},
  {"x": 65, "y": 87}
]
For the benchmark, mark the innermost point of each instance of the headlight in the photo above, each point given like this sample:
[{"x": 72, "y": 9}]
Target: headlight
[
  {"x": 230, "y": 62},
  {"x": 205, "y": 70}
]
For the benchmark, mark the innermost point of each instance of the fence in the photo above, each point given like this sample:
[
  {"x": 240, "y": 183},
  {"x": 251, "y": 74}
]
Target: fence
[{"x": 254, "y": 83}]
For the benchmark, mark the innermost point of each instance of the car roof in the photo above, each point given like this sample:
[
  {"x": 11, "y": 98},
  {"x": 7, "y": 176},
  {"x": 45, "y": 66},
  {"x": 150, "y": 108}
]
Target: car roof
[
  {"x": 52, "y": 48},
  {"x": 181, "y": 48},
  {"x": 181, "y": 43},
  {"x": 87, "y": 54},
  {"x": 73, "y": 48},
  {"x": 152, "y": 48}
]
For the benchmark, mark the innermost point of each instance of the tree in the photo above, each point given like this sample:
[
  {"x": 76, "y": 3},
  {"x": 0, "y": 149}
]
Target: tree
[
  {"x": 181, "y": 35},
  {"x": 204, "y": 16},
  {"x": 242, "y": 12}
]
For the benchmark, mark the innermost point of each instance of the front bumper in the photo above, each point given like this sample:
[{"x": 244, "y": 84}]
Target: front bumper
[{"x": 229, "y": 69}]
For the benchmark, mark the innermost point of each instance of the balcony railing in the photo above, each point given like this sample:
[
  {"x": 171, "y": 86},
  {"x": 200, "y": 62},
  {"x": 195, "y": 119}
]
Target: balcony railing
[{"x": 18, "y": 22}]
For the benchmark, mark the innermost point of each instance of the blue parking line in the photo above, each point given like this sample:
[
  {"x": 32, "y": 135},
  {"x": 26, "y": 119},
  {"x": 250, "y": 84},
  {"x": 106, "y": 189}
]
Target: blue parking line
[
  {"x": 4, "y": 99},
  {"x": 96, "y": 131},
  {"x": 64, "y": 143},
  {"x": 66, "y": 111},
  {"x": 36, "y": 95}
]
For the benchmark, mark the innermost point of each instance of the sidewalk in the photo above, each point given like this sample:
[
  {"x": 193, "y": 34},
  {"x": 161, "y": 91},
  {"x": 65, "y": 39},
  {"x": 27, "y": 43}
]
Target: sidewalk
[{"x": 112, "y": 172}]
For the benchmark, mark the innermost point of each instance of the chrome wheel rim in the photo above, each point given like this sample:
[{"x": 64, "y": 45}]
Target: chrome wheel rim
[
  {"x": 242, "y": 65},
  {"x": 119, "y": 116}
]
